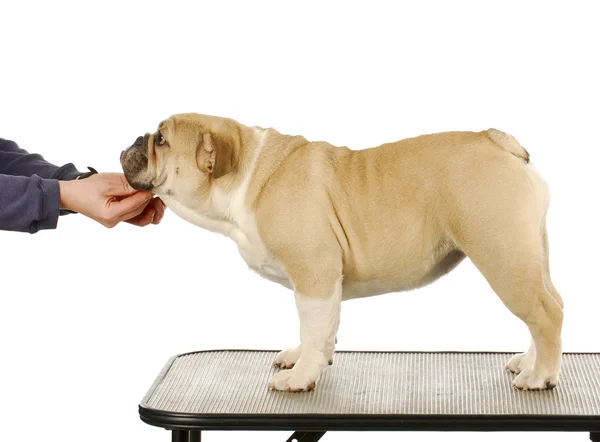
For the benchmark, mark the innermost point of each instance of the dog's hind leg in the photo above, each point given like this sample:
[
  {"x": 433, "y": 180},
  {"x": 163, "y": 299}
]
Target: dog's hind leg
[
  {"x": 507, "y": 242},
  {"x": 513, "y": 267},
  {"x": 546, "y": 266},
  {"x": 526, "y": 360}
]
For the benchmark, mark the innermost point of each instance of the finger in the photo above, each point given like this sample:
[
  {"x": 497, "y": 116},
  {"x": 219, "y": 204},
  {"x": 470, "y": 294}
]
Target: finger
[
  {"x": 133, "y": 214},
  {"x": 156, "y": 203},
  {"x": 137, "y": 220},
  {"x": 119, "y": 186},
  {"x": 158, "y": 217},
  {"x": 143, "y": 219},
  {"x": 129, "y": 204},
  {"x": 125, "y": 186},
  {"x": 159, "y": 206}
]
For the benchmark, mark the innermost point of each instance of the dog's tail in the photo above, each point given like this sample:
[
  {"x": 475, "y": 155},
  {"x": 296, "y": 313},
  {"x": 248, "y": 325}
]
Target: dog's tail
[{"x": 508, "y": 143}]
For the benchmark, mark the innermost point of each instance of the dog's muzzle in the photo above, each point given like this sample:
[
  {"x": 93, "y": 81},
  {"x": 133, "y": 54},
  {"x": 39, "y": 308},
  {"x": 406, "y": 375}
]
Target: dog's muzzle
[
  {"x": 139, "y": 142},
  {"x": 134, "y": 160}
]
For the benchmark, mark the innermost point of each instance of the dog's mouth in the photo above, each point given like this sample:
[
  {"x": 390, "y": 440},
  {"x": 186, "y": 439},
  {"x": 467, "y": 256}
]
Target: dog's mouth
[{"x": 134, "y": 162}]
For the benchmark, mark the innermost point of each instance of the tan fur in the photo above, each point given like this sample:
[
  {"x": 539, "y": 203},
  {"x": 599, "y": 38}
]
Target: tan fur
[
  {"x": 508, "y": 143},
  {"x": 391, "y": 218}
]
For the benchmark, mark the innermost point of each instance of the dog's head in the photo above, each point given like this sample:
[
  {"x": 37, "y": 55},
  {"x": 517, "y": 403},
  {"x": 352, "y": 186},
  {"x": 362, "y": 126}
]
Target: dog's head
[{"x": 184, "y": 156}]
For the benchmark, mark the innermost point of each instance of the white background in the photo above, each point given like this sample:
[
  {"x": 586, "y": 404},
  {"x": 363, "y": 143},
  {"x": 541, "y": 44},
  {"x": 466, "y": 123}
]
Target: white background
[{"x": 88, "y": 316}]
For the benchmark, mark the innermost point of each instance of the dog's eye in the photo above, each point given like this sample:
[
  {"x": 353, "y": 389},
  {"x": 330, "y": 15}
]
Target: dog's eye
[{"x": 160, "y": 140}]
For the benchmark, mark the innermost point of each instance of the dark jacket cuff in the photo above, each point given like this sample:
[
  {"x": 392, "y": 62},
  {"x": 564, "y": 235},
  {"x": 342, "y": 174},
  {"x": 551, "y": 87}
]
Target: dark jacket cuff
[
  {"x": 50, "y": 204},
  {"x": 68, "y": 172}
]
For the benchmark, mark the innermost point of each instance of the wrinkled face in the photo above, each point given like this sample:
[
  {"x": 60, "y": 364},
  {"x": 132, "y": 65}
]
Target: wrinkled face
[{"x": 183, "y": 157}]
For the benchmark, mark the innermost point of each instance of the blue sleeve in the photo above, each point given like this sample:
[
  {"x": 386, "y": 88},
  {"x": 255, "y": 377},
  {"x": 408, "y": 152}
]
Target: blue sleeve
[
  {"x": 19, "y": 162},
  {"x": 29, "y": 191},
  {"x": 28, "y": 204}
]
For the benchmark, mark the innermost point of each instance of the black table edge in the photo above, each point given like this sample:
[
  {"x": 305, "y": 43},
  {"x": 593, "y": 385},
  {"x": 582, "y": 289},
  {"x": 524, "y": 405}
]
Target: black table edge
[{"x": 360, "y": 422}]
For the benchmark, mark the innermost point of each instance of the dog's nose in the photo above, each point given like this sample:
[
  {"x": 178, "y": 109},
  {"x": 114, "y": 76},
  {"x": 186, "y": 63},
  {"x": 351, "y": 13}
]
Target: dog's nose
[{"x": 139, "y": 141}]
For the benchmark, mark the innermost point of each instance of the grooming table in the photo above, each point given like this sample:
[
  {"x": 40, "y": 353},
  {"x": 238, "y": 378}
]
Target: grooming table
[{"x": 369, "y": 391}]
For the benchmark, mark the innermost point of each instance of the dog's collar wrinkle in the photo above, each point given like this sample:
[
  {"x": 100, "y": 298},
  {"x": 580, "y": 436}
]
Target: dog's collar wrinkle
[{"x": 161, "y": 183}]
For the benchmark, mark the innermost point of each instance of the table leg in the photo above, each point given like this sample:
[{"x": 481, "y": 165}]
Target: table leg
[
  {"x": 185, "y": 436},
  {"x": 306, "y": 436},
  {"x": 595, "y": 437}
]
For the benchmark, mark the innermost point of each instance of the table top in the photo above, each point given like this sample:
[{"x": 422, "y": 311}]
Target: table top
[{"x": 227, "y": 389}]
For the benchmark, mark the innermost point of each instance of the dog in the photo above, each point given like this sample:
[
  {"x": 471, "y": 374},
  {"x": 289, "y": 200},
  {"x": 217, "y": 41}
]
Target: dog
[{"x": 332, "y": 224}]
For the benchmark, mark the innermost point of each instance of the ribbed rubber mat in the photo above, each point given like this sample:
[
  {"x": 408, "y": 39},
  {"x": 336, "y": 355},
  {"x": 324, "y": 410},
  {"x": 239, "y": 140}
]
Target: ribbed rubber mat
[{"x": 373, "y": 383}]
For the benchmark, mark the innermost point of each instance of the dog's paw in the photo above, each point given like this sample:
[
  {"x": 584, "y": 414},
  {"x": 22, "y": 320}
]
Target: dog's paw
[
  {"x": 294, "y": 381},
  {"x": 520, "y": 362},
  {"x": 529, "y": 380},
  {"x": 287, "y": 358}
]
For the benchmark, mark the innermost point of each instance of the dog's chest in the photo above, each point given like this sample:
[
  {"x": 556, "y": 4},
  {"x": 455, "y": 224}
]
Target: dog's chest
[
  {"x": 244, "y": 232},
  {"x": 257, "y": 256}
]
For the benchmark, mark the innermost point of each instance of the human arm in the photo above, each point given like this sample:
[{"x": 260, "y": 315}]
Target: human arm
[
  {"x": 31, "y": 200},
  {"x": 28, "y": 204},
  {"x": 18, "y": 162}
]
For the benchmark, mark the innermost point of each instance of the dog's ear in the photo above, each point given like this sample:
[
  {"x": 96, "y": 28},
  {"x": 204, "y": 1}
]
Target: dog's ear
[{"x": 215, "y": 154}]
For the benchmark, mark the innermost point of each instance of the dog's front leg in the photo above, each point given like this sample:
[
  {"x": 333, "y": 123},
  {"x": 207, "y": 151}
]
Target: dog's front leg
[{"x": 319, "y": 313}]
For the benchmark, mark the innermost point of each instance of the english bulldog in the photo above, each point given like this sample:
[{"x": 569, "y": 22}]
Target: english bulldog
[{"x": 332, "y": 223}]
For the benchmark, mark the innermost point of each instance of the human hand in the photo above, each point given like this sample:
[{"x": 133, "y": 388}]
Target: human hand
[
  {"x": 152, "y": 213},
  {"x": 109, "y": 199}
]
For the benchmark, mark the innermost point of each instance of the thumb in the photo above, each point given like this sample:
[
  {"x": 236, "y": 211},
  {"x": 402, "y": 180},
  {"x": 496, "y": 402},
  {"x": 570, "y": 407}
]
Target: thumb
[
  {"x": 119, "y": 186},
  {"x": 127, "y": 189}
]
